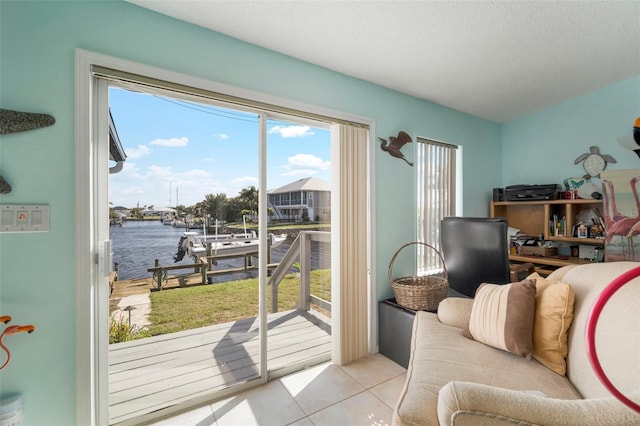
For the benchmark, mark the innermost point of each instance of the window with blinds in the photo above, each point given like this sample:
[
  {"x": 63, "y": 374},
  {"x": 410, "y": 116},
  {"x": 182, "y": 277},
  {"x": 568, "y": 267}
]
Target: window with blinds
[{"x": 436, "y": 198}]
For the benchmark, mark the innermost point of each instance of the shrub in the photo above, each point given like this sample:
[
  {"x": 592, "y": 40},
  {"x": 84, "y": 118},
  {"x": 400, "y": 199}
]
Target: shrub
[{"x": 120, "y": 330}]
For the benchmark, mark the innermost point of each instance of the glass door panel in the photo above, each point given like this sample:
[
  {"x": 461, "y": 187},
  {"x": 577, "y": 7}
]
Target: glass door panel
[{"x": 299, "y": 285}]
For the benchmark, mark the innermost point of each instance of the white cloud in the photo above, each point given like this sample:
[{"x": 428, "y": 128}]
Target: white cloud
[
  {"x": 307, "y": 161},
  {"x": 246, "y": 181},
  {"x": 292, "y": 131},
  {"x": 139, "y": 151},
  {"x": 221, "y": 136},
  {"x": 301, "y": 172},
  {"x": 173, "y": 142},
  {"x": 305, "y": 165},
  {"x": 154, "y": 185}
]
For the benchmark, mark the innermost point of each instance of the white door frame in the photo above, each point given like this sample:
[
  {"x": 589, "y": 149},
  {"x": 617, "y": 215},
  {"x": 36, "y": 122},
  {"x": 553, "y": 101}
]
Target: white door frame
[{"x": 91, "y": 219}]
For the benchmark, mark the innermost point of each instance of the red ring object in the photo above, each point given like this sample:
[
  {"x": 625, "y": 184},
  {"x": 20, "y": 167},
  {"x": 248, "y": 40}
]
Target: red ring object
[{"x": 592, "y": 321}]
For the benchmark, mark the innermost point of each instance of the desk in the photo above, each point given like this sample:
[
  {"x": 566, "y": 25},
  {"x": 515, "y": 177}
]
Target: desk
[{"x": 546, "y": 265}]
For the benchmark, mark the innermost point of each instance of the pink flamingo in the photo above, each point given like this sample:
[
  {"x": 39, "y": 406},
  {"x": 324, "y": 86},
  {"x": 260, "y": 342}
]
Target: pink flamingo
[
  {"x": 610, "y": 209},
  {"x": 624, "y": 225},
  {"x": 635, "y": 229}
]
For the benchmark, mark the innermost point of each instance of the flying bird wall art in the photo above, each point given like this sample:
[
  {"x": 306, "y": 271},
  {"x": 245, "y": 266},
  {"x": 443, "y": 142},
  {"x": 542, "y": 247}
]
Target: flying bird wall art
[
  {"x": 17, "y": 121},
  {"x": 397, "y": 142}
]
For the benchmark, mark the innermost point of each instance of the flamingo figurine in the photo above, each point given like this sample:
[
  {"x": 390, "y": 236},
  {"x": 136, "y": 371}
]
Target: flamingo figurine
[{"x": 12, "y": 329}]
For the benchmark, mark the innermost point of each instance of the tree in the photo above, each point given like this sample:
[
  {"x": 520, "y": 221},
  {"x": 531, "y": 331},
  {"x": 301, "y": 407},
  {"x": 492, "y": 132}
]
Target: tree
[
  {"x": 136, "y": 213},
  {"x": 249, "y": 199},
  {"x": 233, "y": 210},
  {"x": 181, "y": 210},
  {"x": 215, "y": 205}
]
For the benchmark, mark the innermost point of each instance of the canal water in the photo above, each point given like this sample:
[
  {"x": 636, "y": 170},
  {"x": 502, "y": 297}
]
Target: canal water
[{"x": 136, "y": 245}]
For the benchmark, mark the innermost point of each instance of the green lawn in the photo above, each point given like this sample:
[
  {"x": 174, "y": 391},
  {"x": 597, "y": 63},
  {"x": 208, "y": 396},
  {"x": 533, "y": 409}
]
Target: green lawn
[{"x": 193, "y": 307}]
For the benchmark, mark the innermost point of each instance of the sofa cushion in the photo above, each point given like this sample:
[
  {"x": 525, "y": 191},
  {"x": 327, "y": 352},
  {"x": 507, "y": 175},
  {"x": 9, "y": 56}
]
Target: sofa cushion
[
  {"x": 553, "y": 316},
  {"x": 455, "y": 311},
  {"x": 441, "y": 354},
  {"x": 502, "y": 316}
]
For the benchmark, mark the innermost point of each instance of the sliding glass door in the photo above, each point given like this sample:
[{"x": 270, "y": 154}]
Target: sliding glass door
[{"x": 219, "y": 222}]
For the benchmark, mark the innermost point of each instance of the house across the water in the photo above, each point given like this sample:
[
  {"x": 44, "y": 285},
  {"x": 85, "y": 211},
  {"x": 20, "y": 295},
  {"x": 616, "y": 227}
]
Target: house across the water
[{"x": 305, "y": 198}]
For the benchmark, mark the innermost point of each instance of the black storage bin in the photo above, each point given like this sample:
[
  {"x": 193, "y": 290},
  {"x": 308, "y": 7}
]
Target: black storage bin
[{"x": 395, "y": 324}]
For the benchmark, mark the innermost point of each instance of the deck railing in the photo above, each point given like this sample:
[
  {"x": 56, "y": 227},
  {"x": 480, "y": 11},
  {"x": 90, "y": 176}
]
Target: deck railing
[{"x": 299, "y": 249}]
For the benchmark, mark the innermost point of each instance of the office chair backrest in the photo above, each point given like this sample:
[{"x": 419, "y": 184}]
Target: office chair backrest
[{"x": 475, "y": 251}]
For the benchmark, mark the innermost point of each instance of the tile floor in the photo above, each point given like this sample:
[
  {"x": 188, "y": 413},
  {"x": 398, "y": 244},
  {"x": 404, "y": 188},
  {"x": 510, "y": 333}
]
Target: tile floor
[{"x": 361, "y": 393}]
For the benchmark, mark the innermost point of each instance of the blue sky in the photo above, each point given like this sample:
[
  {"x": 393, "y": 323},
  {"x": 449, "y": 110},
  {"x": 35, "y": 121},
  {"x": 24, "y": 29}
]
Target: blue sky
[{"x": 201, "y": 149}]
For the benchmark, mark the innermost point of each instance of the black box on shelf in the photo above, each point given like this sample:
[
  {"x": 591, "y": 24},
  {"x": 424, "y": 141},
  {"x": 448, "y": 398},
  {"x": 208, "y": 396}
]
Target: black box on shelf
[{"x": 531, "y": 192}]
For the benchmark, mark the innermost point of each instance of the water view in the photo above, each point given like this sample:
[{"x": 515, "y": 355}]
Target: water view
[{"x": 136, "y": 245}]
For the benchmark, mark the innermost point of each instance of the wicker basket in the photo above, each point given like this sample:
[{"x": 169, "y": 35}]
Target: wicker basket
[{"x": 419, "y": 293}]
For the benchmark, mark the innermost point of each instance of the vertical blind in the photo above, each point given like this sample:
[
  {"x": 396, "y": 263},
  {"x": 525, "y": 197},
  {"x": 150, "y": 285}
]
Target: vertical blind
[
  {"x": 349, "y": 218},
  {"x": 436, "y": 198}
]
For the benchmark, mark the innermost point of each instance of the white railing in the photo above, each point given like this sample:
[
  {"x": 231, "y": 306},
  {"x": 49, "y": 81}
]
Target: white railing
[{"x": 299, "y": 249}]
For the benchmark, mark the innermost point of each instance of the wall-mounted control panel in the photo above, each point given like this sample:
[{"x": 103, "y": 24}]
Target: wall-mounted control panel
[{"x": 24, "y": 218}]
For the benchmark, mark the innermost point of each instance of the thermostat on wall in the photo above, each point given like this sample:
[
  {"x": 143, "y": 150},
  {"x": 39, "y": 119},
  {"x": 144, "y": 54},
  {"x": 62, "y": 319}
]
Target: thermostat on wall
[{"x": 24, "y": 218}]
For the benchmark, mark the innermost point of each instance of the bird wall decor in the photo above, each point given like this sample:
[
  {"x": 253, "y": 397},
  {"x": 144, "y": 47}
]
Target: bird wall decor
[{"x": 397, "y": 142}]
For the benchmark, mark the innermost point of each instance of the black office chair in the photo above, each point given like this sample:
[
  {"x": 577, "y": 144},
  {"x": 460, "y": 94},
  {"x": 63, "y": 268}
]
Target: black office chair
[{"x": 476, "y": 251}]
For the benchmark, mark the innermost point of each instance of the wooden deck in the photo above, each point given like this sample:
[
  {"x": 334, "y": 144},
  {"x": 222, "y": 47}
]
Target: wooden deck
[{"x": 154, "y": 373}]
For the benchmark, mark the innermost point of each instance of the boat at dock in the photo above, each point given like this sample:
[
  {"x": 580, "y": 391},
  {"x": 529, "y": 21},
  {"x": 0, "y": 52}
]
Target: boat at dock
[{"x": 197, "y": 245}]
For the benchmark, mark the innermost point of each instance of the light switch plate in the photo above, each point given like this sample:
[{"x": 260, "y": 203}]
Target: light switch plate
[{"x": 24, "y": 218}]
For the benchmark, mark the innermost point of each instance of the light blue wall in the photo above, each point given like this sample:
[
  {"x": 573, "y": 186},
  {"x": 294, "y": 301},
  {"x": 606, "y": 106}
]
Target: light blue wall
[
  {"x": 542, "y": 147},
  {"x": 37, "y": 42}
]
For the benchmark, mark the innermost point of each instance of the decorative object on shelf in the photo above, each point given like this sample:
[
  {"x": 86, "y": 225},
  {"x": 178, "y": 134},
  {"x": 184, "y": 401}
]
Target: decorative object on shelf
[
  {"x": 582, "y": 230},
  {"x": 594, "y": 162},
  {"x": 396, "y": 144},
  {"x": 17, "y": 121},
  {"x": 632, "y": 143},
  {"x": 574, "y": 183},
  {"x": 590, "y": 191},
  {"x": 5, "y": 188}
]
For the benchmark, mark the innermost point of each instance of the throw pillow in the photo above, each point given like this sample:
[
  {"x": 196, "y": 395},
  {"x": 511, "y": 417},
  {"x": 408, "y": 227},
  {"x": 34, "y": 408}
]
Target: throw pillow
[
  {"x": 554, "y": 314},
  {"x": 502, "y": 316}
]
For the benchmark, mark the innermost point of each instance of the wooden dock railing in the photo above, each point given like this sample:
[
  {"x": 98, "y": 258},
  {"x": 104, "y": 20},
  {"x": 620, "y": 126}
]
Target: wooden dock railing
[{"x": 160, "y": 275}]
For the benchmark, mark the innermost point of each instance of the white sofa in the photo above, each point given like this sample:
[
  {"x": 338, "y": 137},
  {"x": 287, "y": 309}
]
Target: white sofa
[{"x": 454, "y": 380}]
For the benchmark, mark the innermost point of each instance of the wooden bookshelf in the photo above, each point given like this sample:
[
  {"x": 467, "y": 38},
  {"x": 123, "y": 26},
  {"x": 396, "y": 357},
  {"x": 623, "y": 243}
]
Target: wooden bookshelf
[{"x": 532, "y": 218}]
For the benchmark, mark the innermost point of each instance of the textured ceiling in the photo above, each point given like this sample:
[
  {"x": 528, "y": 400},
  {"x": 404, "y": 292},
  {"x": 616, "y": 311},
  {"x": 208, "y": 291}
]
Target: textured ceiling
[{"x": 493, "y": 59}]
